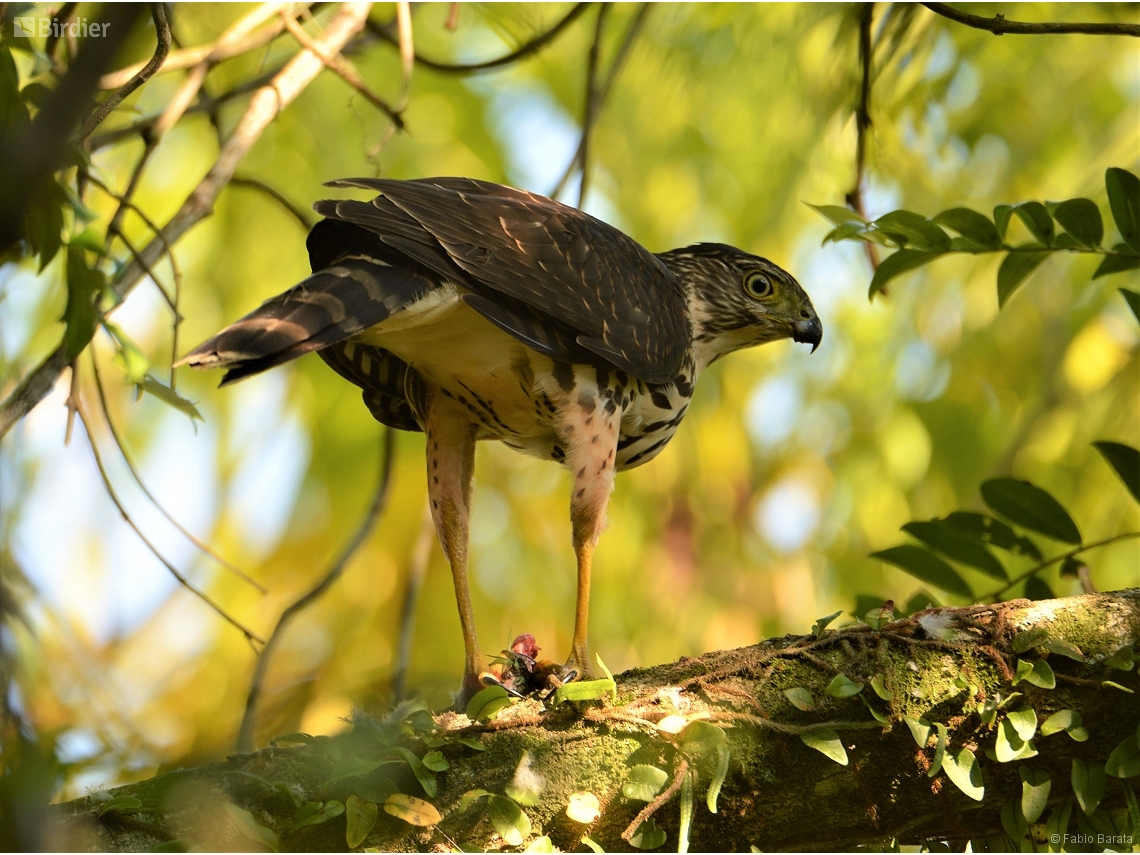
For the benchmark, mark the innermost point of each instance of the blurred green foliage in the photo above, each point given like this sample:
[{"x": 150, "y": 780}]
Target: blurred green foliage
[{"x": 788, "y": 471}]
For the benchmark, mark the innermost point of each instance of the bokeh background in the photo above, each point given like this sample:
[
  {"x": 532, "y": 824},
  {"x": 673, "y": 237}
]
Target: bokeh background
[{"x": 759, "y": 516}]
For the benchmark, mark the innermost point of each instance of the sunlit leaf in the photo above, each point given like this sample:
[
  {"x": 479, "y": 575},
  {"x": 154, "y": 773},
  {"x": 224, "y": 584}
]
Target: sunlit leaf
[
  {"x": 425, "y": 776},
  {"x": 1002, "y": 213},
  {"x": 1037, "y": 220},
  {"x": 823, "y": 623},
  {"x": 1081, "y": 219},
  {"x": 120, "y": 804},
  {"x": 701, "y": 737},
  {"x": 976, "y": 228},
  {"x": 989, "y": 530},
  {"x": 1132, "y": 298},
  {"x": 879, "y": 686},
  {"x": 925, "y": 565},
  {"x": 722, "y": 759},
  {"x": 965, "y": 773},
  {"x": 583, "y": 807},
  {"x": 672, "y": 724},
  {"x": 1124, "y": 761},
  {"x": 168, "y": 396},
  {"x": 917, "y": 230},
  {"x": 686, "y": 813},
  {"x": 837, "y": 214},
  {"x": 1035, "y": 786},
  {"x": 508, "y": 819},
  {"x": 1124, "y": 199},
  {"x": 251, "y": 828},
  {"x": 540, "y": 844},
  {"x": 471, "y": 796},
  {"x": 83, "y": 284},
  {"x": 827, "y": 743},
  {"x": 1024, "y": 721},
  {"x": 1088, "y": 784},
  {"x": 1063, "y": 648},
  {"x": 919, "y": 729},
  {"x": 1014, "y": 268},
  {"x": 589, "y": 690},
  {"x": 939, "y": 749},
  {"x": 1030, "y": 638},
  {"x": 941, "y": 536},
  {"x": 644, "y": 783},
  {"x": 360, "y": 816},
  {"x": 419, "y": 812},
  {"x": 1125, "y": 461},
  {"x": 592, "y": 844},
  {"x": 1122, "y": 659},
  {"x": 1031, "y": 507},
  {"x": 895, "y": 265},
  {"x": 842, "y": 686},
  {"x": 88, "y": 239},
  {"x": 1059, "y": 721},
  {"x": 800, "y": 698},
  {"x": 647, "y": 836},
  {"x": 1117, "y": 263},
  {"x": 487, "y": 703}
]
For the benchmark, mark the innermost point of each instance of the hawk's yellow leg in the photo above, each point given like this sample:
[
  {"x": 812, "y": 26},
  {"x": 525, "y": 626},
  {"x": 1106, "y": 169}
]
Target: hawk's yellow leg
[{"x": 450, "y": 464}]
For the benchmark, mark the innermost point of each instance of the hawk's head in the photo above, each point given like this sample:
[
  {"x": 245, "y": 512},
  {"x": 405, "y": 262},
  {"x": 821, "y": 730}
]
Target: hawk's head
[{"x": 739, "y": 300}]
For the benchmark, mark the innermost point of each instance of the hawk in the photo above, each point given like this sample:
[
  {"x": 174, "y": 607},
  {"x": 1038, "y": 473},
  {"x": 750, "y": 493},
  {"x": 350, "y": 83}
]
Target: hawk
[{"x": 473, "y": 311}]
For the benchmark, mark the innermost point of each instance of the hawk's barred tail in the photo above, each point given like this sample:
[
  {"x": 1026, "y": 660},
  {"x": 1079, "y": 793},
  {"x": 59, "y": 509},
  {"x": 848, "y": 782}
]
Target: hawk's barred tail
[{"x": 330, "y": 306}]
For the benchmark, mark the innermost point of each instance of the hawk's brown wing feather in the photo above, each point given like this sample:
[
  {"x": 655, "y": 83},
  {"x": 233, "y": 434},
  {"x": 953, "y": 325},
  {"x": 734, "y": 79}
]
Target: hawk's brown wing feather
[{"x": 621, "y": 303}]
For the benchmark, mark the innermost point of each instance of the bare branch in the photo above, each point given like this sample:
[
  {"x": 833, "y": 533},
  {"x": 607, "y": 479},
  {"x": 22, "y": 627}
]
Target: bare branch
[
  {"x": 603, "y": 93},
  {"x": 263, "y": 108},
  {"x": 180, "y": 60},
  {"x": 999, "y": 26},
  {"x": 651, "y": 808},
  {"x": 305, "y": 221},
  {"x": 343, "y": 69},
  {"x": 407, "y": 51},
  {"x": 202, "y": 105},
  {"x": 863, "y": 122},
  {"x": 202, "y": 547},
  {"x": 417, "y": 572},
  {"x": 223, "y": 47},
  {"x": 379, "y": 500},
  {"x": 533, "y": 46},
  {"x": 592, "y": 101},
  {"x": 161, "y": 50},
  {"x": 182, "y": 580}
]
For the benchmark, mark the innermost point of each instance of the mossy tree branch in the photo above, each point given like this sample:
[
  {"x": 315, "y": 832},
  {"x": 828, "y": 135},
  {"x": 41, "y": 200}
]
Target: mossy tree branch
[{"x": 945, "y": 666}]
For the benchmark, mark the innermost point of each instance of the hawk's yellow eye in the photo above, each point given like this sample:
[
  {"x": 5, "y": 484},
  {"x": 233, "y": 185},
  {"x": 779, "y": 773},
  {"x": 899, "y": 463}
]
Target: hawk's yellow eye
[{"x": 758, "y": 285}]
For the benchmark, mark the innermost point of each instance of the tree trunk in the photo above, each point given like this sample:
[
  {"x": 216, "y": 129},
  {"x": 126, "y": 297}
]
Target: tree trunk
[{"x": 949, "y": 667}]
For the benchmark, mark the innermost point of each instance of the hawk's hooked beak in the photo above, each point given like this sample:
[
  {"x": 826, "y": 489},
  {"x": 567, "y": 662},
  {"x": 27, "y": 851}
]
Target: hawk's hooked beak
[{"x": 808, "y": 331}]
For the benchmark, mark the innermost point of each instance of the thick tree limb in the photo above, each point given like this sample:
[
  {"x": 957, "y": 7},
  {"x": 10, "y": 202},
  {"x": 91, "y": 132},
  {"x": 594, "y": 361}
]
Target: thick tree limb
[
  {"x": 1000, "y": 26},
  {"x": 263, "y": 108},
  {"x": 943, "y": 665}
]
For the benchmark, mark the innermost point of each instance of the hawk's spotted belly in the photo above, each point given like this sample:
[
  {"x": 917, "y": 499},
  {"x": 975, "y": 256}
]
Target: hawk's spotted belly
[{"x": 514, "y": 394}]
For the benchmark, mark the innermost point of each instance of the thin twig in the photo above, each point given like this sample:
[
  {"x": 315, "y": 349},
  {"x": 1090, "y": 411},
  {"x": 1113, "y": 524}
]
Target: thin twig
[
  {"x": 161, "y": 50},
  {"x": 1000, "y": 26},
  {"x": 1021, "y": 577},
  {"x": 234, "y": 34},
  {"x": 203, "y": 105},
  {"x": 180, "y": 60},
  {"x": 417, "y": 572},
  {"x": 297, "y": 213},
  {"x": 651, "y": 808},
  {"x": 407, "y": 52},
  {"x": 249, "y": 717},
  {"x": 263, "y": 108},
  {"x": 592, "y": 102},
  {"x": 142, "y": 486},
  {"x": 343, "y": 69},
  {"x": 150, "y": 143},
  {"x": 533, "y": 46},
  {"x": 182, "y": 580},
  {"x": 604, "y": 90},
  {"x": 863, "y": 123}
]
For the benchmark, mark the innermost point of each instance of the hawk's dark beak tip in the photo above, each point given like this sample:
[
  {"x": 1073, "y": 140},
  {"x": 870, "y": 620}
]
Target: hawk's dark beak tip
[{"x": 808, "y": 332}]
